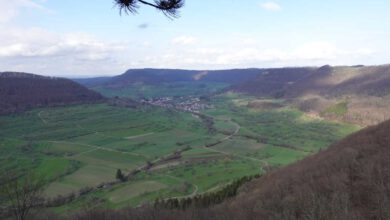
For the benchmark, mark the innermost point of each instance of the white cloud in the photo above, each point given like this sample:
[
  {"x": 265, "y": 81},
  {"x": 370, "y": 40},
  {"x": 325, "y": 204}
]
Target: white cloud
[
  {"x": 43, "y": 52},
  {"x": 271, "y": 6},
  {"x": 239, "y": 56},
  {"x": 35, "y": 42},
  {"x": 184, "y": 40}
]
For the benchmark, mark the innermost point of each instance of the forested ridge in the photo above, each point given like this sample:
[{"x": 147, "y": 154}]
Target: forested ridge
[{"x": 22, "y": 91}]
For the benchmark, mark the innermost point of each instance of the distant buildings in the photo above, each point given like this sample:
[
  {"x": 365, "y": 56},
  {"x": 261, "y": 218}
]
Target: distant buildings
[{"x": 188, "y": 104}]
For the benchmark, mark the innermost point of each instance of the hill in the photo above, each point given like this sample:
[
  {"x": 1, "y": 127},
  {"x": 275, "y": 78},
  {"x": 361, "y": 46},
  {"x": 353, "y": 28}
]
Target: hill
[
  {"x": 349, "y": 180},
  {"x": 326, "y": 80},
  {"x": 356, "y": 94},
  {"x": 158, "y": 76},
  {"x": 22, "y": 91},
  {"x": 295, "y": 82},
  {"x": 157, "y": 83}
]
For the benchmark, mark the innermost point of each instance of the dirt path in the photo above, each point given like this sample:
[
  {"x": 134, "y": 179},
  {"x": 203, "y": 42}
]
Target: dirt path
[
  {"x": 138, "y": 136},
  {"x": 217, "y": 187},
  {"x": 238, "y": 127},
  {"x": 40, "y": 117}
]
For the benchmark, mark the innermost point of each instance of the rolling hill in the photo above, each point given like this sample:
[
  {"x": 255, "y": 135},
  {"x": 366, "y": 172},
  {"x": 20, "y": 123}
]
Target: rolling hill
[
  {"x": 23, "y": 91},
  {"x": 356, "y": 94}
]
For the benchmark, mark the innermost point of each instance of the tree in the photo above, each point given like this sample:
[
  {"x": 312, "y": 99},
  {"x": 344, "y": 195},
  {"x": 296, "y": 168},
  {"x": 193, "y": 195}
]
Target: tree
[
  {"x": 168, "y": 7},
  {"x": 21, "y": 194},
  {"x": 119, "y": 175}
]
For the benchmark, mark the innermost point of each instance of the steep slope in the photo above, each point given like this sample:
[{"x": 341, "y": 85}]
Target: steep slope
[
  {"x": 349, "y": 180},
  {"x": 273, "y": 82},
  {"x": 342, "y": 81},
  {"x": 22, "y": 91},
  {"x": 326, "y": 81},
  {"x": 357, "y": 94}
]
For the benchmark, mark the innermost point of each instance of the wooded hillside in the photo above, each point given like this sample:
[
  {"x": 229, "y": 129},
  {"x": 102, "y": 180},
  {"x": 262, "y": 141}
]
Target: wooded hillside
[{"x": 22, "y": 91}]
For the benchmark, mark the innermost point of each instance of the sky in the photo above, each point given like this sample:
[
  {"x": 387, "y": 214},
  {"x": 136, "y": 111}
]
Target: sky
[{"x": 87, "y": 38}]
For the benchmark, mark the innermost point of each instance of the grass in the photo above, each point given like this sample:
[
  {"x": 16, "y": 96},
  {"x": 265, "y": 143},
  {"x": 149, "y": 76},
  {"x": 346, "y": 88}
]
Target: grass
[
  {"x": 239, "y": 145},
  {"x": 283, "y": 127},
  {"x": 49, "y": 141},
  {"x": 338, "y": 109},
  {"x": 173, "y": 89},
  {"x": 279, "y": 156},
  {"x": 84, "y": 145},
  {"x": 206, "y": 175},
  {"x": 133, "y": 190},
  {"x": 56, "y": 167}
]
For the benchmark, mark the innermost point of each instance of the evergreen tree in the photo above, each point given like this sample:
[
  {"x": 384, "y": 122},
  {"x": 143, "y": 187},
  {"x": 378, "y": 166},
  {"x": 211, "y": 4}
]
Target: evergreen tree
[{"x": 119, "y": 175}]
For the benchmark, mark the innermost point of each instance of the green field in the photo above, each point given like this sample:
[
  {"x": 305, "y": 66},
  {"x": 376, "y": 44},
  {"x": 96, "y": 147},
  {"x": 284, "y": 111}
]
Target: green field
[
  {"x": 83, "y": 146},
  {"x": 172, "y": 89},
  {"x": 339, "y": 109}
]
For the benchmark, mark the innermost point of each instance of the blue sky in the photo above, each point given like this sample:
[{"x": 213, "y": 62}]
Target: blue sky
[{"x": 75, "y": 38}]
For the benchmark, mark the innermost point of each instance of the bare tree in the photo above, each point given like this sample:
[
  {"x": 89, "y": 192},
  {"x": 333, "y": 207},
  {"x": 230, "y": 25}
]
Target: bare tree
[
  {"x": 21, "y": 194},
  {"x": 168, "y": 7}
]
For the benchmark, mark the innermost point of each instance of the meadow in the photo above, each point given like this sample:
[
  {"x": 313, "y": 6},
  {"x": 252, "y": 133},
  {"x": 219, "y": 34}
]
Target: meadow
[
  {"x": 140, "y": 90},
  {"x": 84, "y": 145}
]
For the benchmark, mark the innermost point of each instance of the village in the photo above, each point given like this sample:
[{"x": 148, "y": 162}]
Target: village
[{"x": 188, "y": 104}]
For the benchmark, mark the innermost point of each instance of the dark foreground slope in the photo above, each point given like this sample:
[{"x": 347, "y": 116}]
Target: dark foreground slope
[
  {"x": 349, "y": 180},
  {"x": 22, "y": 91}
]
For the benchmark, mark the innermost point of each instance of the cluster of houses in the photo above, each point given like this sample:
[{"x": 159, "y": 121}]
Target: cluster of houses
[{"x": 189, "y": 104}]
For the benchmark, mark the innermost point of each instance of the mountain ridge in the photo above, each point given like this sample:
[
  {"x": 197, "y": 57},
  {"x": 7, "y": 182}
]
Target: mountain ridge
[
  {"x": 354, "y": 94},
  {"x": 155, "y": 76}
]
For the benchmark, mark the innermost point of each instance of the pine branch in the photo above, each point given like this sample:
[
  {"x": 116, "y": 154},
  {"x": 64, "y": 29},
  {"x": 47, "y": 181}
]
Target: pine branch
[{"x": 168, "y": 7}]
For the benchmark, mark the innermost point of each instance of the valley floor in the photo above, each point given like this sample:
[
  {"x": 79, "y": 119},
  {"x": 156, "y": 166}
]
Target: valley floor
[{"x": 176, "y": 154}]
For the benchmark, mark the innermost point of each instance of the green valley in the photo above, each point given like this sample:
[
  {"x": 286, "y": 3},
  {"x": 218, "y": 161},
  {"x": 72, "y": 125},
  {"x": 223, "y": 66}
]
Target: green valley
[{"x": 165, "y": 152}]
